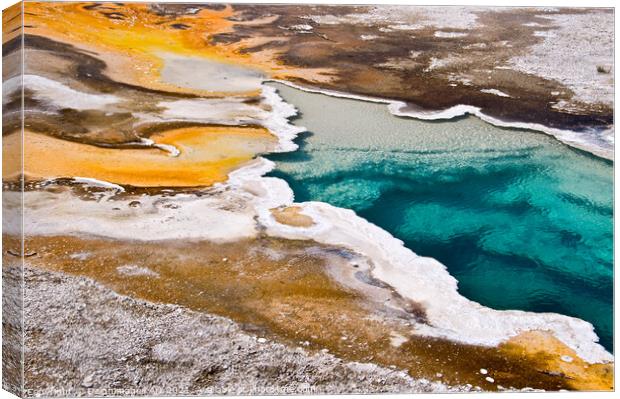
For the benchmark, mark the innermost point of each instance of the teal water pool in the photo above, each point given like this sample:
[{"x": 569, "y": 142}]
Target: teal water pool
[{"x": 521, "y": 220}]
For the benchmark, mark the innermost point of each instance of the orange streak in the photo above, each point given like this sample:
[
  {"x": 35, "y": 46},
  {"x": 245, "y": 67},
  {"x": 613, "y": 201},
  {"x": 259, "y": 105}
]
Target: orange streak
[{"x": 207, "y": 155}]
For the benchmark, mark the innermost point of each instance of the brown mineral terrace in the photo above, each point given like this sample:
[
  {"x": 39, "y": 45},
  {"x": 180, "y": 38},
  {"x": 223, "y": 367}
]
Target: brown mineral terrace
[{"x": 321, "y": 298}]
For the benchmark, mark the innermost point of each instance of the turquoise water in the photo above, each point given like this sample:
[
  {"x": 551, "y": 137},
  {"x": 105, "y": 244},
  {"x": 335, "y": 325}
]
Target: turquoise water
[{"x": 522, "y": 221}]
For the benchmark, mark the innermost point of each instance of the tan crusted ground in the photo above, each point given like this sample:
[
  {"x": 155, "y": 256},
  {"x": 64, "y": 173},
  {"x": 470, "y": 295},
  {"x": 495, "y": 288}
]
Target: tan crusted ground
[{"x": 291, "y": 216}]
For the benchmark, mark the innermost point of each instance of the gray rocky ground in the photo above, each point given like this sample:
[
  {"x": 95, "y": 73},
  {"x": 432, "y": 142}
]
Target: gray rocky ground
[{"x": 83, "y": 339}]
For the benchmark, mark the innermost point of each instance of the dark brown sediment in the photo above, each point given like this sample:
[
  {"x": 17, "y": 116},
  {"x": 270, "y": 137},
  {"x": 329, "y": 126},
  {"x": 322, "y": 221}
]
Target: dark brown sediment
[{"x": 383, "y": 68}]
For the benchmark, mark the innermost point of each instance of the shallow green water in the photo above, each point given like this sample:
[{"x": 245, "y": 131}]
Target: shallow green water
[{"x": 522, "y": 221}]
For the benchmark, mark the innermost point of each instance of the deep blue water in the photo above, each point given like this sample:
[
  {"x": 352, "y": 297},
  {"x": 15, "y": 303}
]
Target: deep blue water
[{"x": 521, "y": 220}]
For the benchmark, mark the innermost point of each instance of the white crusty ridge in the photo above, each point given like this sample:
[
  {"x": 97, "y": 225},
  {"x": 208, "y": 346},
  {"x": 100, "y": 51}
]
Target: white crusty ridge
[{"x": 597, "y": 143}]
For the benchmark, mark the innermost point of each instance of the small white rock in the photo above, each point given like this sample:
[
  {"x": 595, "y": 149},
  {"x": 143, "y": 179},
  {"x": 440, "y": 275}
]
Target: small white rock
[
  {"x": 566, "y": 358},
  {"x": 484, "y": 371},
  {"x": 491, "y": 380},
  {"x": 261, "y": 340},
  {"x": 88, "y": 381}
]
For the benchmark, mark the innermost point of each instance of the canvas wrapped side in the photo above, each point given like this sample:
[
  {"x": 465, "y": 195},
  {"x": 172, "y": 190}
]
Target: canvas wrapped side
[{"x": 12, "y": 192}]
